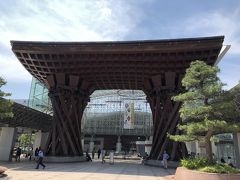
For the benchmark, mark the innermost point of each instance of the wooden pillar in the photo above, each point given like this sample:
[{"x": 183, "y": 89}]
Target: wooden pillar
[
  {"x": 69, "y": 96},
  {"x": 159, "y": 91}
]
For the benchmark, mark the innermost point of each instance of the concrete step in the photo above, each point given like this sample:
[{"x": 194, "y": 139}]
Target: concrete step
[{"x": 158, "y": 163}]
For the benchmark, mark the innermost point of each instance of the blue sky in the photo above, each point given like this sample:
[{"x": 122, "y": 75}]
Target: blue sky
[{"x": 100, "y": 20}]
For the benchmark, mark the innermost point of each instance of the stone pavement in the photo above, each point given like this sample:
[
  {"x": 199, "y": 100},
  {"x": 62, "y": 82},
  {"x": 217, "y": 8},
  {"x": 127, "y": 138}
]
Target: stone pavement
[{"x": 121, "y": 170}]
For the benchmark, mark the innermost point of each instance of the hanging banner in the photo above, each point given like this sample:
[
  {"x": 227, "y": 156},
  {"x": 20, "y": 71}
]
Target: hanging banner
[
  {"x": 128, "y": 115},
  {"x": 132, "y": 114}
]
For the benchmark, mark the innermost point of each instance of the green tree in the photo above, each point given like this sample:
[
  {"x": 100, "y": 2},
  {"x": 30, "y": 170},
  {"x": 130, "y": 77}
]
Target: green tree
[
  {"x": 206, "y": 109},
  {"x": 236, "y": 92},
  {"x": 26, "y": 140},
  {"x": 5, "y": 105}
]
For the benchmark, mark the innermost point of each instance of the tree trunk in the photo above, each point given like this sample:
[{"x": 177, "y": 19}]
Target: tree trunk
[{"x": 209, "y": 147}]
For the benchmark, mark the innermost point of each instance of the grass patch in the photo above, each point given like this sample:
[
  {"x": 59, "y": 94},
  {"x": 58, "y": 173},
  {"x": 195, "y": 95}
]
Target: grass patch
[{"x": 202, "y": 164}]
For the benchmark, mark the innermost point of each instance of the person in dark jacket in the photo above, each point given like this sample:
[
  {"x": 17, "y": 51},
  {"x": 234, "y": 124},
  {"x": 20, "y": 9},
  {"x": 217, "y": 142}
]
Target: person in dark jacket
[
  {"x": 36, "y": 154},
  {"x": 222, "y": 160},
  {"x": 93, "y": 153},
  {"x": 18, "y": 154},
  {"x": 88, "y": 156},
  {"x": 99, "y": 153}
]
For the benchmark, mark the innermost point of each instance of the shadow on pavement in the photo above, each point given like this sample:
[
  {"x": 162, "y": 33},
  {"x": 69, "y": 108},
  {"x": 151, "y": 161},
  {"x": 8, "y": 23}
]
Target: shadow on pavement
[{"x": 3, "y": 175}]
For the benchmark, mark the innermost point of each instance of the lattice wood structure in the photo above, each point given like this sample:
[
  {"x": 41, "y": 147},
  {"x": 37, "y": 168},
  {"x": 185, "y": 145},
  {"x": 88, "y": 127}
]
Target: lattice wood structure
[{"x": 73, "y": 70}]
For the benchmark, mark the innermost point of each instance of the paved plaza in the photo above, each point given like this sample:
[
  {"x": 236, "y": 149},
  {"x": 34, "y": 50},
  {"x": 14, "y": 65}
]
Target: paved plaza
[{"x": 121, "y": 170}]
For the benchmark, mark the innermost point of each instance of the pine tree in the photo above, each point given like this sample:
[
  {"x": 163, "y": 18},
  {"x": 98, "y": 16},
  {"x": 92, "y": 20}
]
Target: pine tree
[
  {"x": 236, "y": 93},
  {"x": 206, "y": 109},
  {"x": 5, "y": 105}
]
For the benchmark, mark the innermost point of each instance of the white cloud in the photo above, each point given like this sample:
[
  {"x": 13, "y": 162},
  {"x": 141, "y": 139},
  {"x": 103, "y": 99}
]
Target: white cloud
[
  {"x": 90, "y": 20},
  {"x": 216, "y": 23},
  {"x": 220, "y": 23},
  {"x": 60, "y": 21},
  {"x": 69, "y": 21},
  {"x": 12, "y": 70}
]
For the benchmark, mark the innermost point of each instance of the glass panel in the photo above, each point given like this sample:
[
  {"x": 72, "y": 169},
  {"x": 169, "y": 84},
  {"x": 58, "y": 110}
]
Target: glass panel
[{"x": 104, "y": 112}]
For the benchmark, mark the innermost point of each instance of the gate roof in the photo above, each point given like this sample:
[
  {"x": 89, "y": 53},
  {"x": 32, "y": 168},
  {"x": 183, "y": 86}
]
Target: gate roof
[{"x": 115, "y": 65}]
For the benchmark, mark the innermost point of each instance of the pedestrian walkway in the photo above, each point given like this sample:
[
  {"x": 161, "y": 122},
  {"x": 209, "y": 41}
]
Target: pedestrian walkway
[{"x": 120, "y": 170}]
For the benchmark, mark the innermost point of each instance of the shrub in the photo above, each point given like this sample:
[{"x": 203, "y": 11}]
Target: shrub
[
  {"x": 202, "y": 164},
  {"x": 194, "y": 163},
  {"x": 220, "y": 168}
]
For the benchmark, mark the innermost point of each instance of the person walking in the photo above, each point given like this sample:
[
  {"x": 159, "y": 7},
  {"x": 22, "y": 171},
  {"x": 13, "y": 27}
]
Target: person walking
[
  {"x": 111, "y": 157},
  {"x": 40, "y": 159},
  {"x": 36, "y": 154},
  {"x": 18, "y": 154},
  {"x": 88, "y": 156},
  {"x": 93, "y": 153},
  {"x": 145, "y": 158},
  {"x": 30, "y": 154},
  {"x": 99, "y": 153},
  {"x": 165, "y": 158},
  {"x": 103, "y": 152}
]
